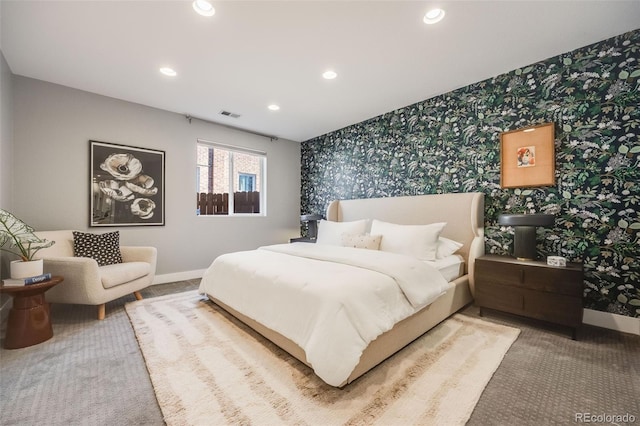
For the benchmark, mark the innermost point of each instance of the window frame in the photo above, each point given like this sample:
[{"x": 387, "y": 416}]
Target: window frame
[{"x": 262, "y": 155}]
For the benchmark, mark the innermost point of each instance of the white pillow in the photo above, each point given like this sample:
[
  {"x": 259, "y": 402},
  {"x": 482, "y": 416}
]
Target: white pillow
[
  {"x": 330, "y": 233},
  {"x": 366, "y": 241},
  {"x": 446, "y": 247},
  {"x": 419, "y": 241}
]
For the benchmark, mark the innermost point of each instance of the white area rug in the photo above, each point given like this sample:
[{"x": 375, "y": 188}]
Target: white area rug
[{"x": 209, "y": 369}]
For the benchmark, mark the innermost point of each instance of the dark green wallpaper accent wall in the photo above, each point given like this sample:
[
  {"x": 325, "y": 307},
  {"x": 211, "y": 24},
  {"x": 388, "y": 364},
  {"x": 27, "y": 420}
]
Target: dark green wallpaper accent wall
[{"x": 451, "y": 143}]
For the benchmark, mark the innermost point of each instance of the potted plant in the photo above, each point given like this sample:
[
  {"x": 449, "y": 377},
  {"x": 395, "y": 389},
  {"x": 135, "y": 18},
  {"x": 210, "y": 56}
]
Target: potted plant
[{"x": 22, "y": 243}]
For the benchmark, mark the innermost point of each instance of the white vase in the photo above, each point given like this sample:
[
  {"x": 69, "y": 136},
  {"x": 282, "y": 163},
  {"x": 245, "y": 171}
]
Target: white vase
[{"x": 22, "y": 269}]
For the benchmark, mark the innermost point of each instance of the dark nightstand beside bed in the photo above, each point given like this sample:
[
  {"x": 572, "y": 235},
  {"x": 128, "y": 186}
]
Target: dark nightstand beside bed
[
  {"x": 302, "y": 240},
  {"x": 531, "y": 289}
]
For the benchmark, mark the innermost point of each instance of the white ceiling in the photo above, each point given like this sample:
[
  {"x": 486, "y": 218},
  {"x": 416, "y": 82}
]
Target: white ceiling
[{"x": 254, "y": 53}]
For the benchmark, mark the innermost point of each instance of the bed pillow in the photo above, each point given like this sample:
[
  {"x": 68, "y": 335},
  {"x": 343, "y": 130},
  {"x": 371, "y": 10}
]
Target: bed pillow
[
  {"x": 447, "y": 247},
  {"x": 363, "y": 241},
  {"x": 330, "y": 233},
  {"x": 104, "y": 248},
  {"x": 419, "y": 241}
]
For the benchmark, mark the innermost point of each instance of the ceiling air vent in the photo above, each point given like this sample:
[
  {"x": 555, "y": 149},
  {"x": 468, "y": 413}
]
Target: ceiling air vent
[{"x": 229, "y": 114}]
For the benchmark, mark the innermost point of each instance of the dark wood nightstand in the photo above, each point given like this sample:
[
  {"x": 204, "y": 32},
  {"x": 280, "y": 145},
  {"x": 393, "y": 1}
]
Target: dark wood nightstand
[
  {"x": 302, "y": 240},
  {"x": 530, "y": 288}
]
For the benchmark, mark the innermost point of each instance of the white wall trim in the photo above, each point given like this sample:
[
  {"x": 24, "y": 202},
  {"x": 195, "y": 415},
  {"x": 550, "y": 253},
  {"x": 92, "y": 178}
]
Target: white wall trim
[
  {"x": 178, "y": 276},
  {"x": 612, "y": 321}
]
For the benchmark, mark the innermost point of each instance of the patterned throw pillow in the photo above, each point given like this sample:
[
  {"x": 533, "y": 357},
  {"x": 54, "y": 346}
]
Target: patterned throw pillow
[
  {"x": 363, "y": 241},
  {"x": 104, "y": 248}
]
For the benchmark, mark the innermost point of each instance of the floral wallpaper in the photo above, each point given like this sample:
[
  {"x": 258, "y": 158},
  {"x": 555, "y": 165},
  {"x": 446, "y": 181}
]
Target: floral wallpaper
[{"x": 451, "y": 143}]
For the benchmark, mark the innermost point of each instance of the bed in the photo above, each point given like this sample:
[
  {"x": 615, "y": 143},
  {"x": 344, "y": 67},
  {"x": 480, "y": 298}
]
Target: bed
[{"x": 249, "y": 285}]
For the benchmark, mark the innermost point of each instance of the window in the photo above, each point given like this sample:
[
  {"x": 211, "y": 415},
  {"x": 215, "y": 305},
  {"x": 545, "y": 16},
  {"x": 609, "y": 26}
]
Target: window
[
  {"x": 246, "y": 182},
  {"x": 222, "y": 170}
]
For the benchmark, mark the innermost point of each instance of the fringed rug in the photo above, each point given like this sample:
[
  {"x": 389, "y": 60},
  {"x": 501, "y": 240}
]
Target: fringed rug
[{"x": 207, "y": 368}]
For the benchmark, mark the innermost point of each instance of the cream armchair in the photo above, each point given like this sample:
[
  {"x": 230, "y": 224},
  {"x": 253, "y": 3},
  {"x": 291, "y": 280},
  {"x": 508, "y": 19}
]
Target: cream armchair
[{"x": 86, "y": 283}]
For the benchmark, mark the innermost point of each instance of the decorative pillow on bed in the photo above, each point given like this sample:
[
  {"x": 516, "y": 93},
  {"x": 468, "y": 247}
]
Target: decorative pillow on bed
[
  {"x": 104, "y": 248},
  {"x": 330, "y": 232},
  {"x": 420, "y": 241},
  {"x": 363, "y": 241},
  {"x": 447, "y": 247}
]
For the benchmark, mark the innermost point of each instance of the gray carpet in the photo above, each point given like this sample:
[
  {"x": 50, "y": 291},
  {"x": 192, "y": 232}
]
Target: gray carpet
[{"x": 92, "y": 373}]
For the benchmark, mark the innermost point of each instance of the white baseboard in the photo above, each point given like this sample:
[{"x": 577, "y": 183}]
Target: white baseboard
[
  {"x": 178, "y": 276},
  {"x": 612, "y": 321}
]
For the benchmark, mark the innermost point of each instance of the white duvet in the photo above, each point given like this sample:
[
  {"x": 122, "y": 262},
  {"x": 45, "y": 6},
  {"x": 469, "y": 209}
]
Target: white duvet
[{"x": 331, "y": 301}]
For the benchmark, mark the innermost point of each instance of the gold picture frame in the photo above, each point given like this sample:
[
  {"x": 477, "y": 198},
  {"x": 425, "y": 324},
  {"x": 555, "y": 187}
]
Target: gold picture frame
[{"x": 527, "y": 157}]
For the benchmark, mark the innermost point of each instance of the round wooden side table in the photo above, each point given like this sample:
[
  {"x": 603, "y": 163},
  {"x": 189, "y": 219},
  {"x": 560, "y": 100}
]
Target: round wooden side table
[{"x": 29, "y": 321}]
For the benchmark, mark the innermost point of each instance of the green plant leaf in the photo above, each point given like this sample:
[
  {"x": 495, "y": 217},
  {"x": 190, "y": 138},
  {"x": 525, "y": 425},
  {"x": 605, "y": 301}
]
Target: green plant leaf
[
  {"x": 634, "y": 302},
  {"x": 623, "y": 149},
  {"x": 622, "y": 298},
  {"x": 623, "y": 75},
  {"x": 20, "y": 237}
]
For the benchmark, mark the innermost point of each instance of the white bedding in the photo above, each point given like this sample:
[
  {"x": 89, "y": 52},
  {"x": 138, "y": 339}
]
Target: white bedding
[
  {"x": 331, "y": 301},
  {"x": 451, "y": 267}
]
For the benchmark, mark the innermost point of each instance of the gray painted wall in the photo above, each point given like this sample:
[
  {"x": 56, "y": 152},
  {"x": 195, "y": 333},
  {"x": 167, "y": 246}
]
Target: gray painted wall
[
  {"x": 52, "y": 128},
  {"x": 6, "y": 132},
  {"x": 6, "y": 137}
]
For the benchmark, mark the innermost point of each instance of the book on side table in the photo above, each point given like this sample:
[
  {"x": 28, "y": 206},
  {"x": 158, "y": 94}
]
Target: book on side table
[{"x": 17, "y": 282}]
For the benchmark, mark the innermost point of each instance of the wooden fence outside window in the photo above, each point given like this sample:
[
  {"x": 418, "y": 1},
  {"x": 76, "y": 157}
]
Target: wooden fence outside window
[{"x": 215, "y": 204}]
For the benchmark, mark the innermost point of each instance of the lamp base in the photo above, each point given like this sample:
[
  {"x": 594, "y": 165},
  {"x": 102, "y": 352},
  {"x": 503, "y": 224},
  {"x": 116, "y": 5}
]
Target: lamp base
[{"x": 524, "y": 243}]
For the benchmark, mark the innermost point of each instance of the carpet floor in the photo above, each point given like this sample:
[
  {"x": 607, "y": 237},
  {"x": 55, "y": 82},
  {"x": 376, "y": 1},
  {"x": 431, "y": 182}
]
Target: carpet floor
[
  {"x": 209, "y": 368},
  {"x": 93, "y": 373}
]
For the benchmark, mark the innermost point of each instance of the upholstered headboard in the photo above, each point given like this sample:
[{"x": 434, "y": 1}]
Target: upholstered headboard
[{"x": 463, "y": 212}]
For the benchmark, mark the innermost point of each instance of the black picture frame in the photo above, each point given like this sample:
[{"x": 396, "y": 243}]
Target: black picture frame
[{"x": 127, "y": 185}]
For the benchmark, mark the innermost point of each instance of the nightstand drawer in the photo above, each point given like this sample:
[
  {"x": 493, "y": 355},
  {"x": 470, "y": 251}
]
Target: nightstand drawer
[
  {"x": 559, "y": 309},
  {"x": 502, "y": 298},
  {"x": 499, "y": 273},
  {"x": 540, "y": 277}
]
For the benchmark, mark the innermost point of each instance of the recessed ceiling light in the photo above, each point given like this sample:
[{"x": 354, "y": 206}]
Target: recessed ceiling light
[
  {"x": 273, "y": 107},
  {"x": 329, "y": 75},
  {"x": 433, "y": 16},
  {"x": 204, "y": 8},
  {"x": 168, "y": 71}
]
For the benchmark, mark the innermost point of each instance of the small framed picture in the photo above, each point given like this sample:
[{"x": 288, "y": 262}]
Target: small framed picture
[
  {"x": 527, "y": 157},
  {"x": 127, "y": 185}
]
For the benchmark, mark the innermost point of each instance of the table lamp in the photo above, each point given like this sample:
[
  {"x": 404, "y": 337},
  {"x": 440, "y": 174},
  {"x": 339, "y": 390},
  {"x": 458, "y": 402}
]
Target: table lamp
[
  {"x": 312, "y": 221},
  {"x": 524, "y": 240}
]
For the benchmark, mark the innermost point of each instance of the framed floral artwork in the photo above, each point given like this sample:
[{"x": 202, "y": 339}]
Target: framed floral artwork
[
  {"x": 127, "y": 185},
  {"x": 527, "y": 157}
]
